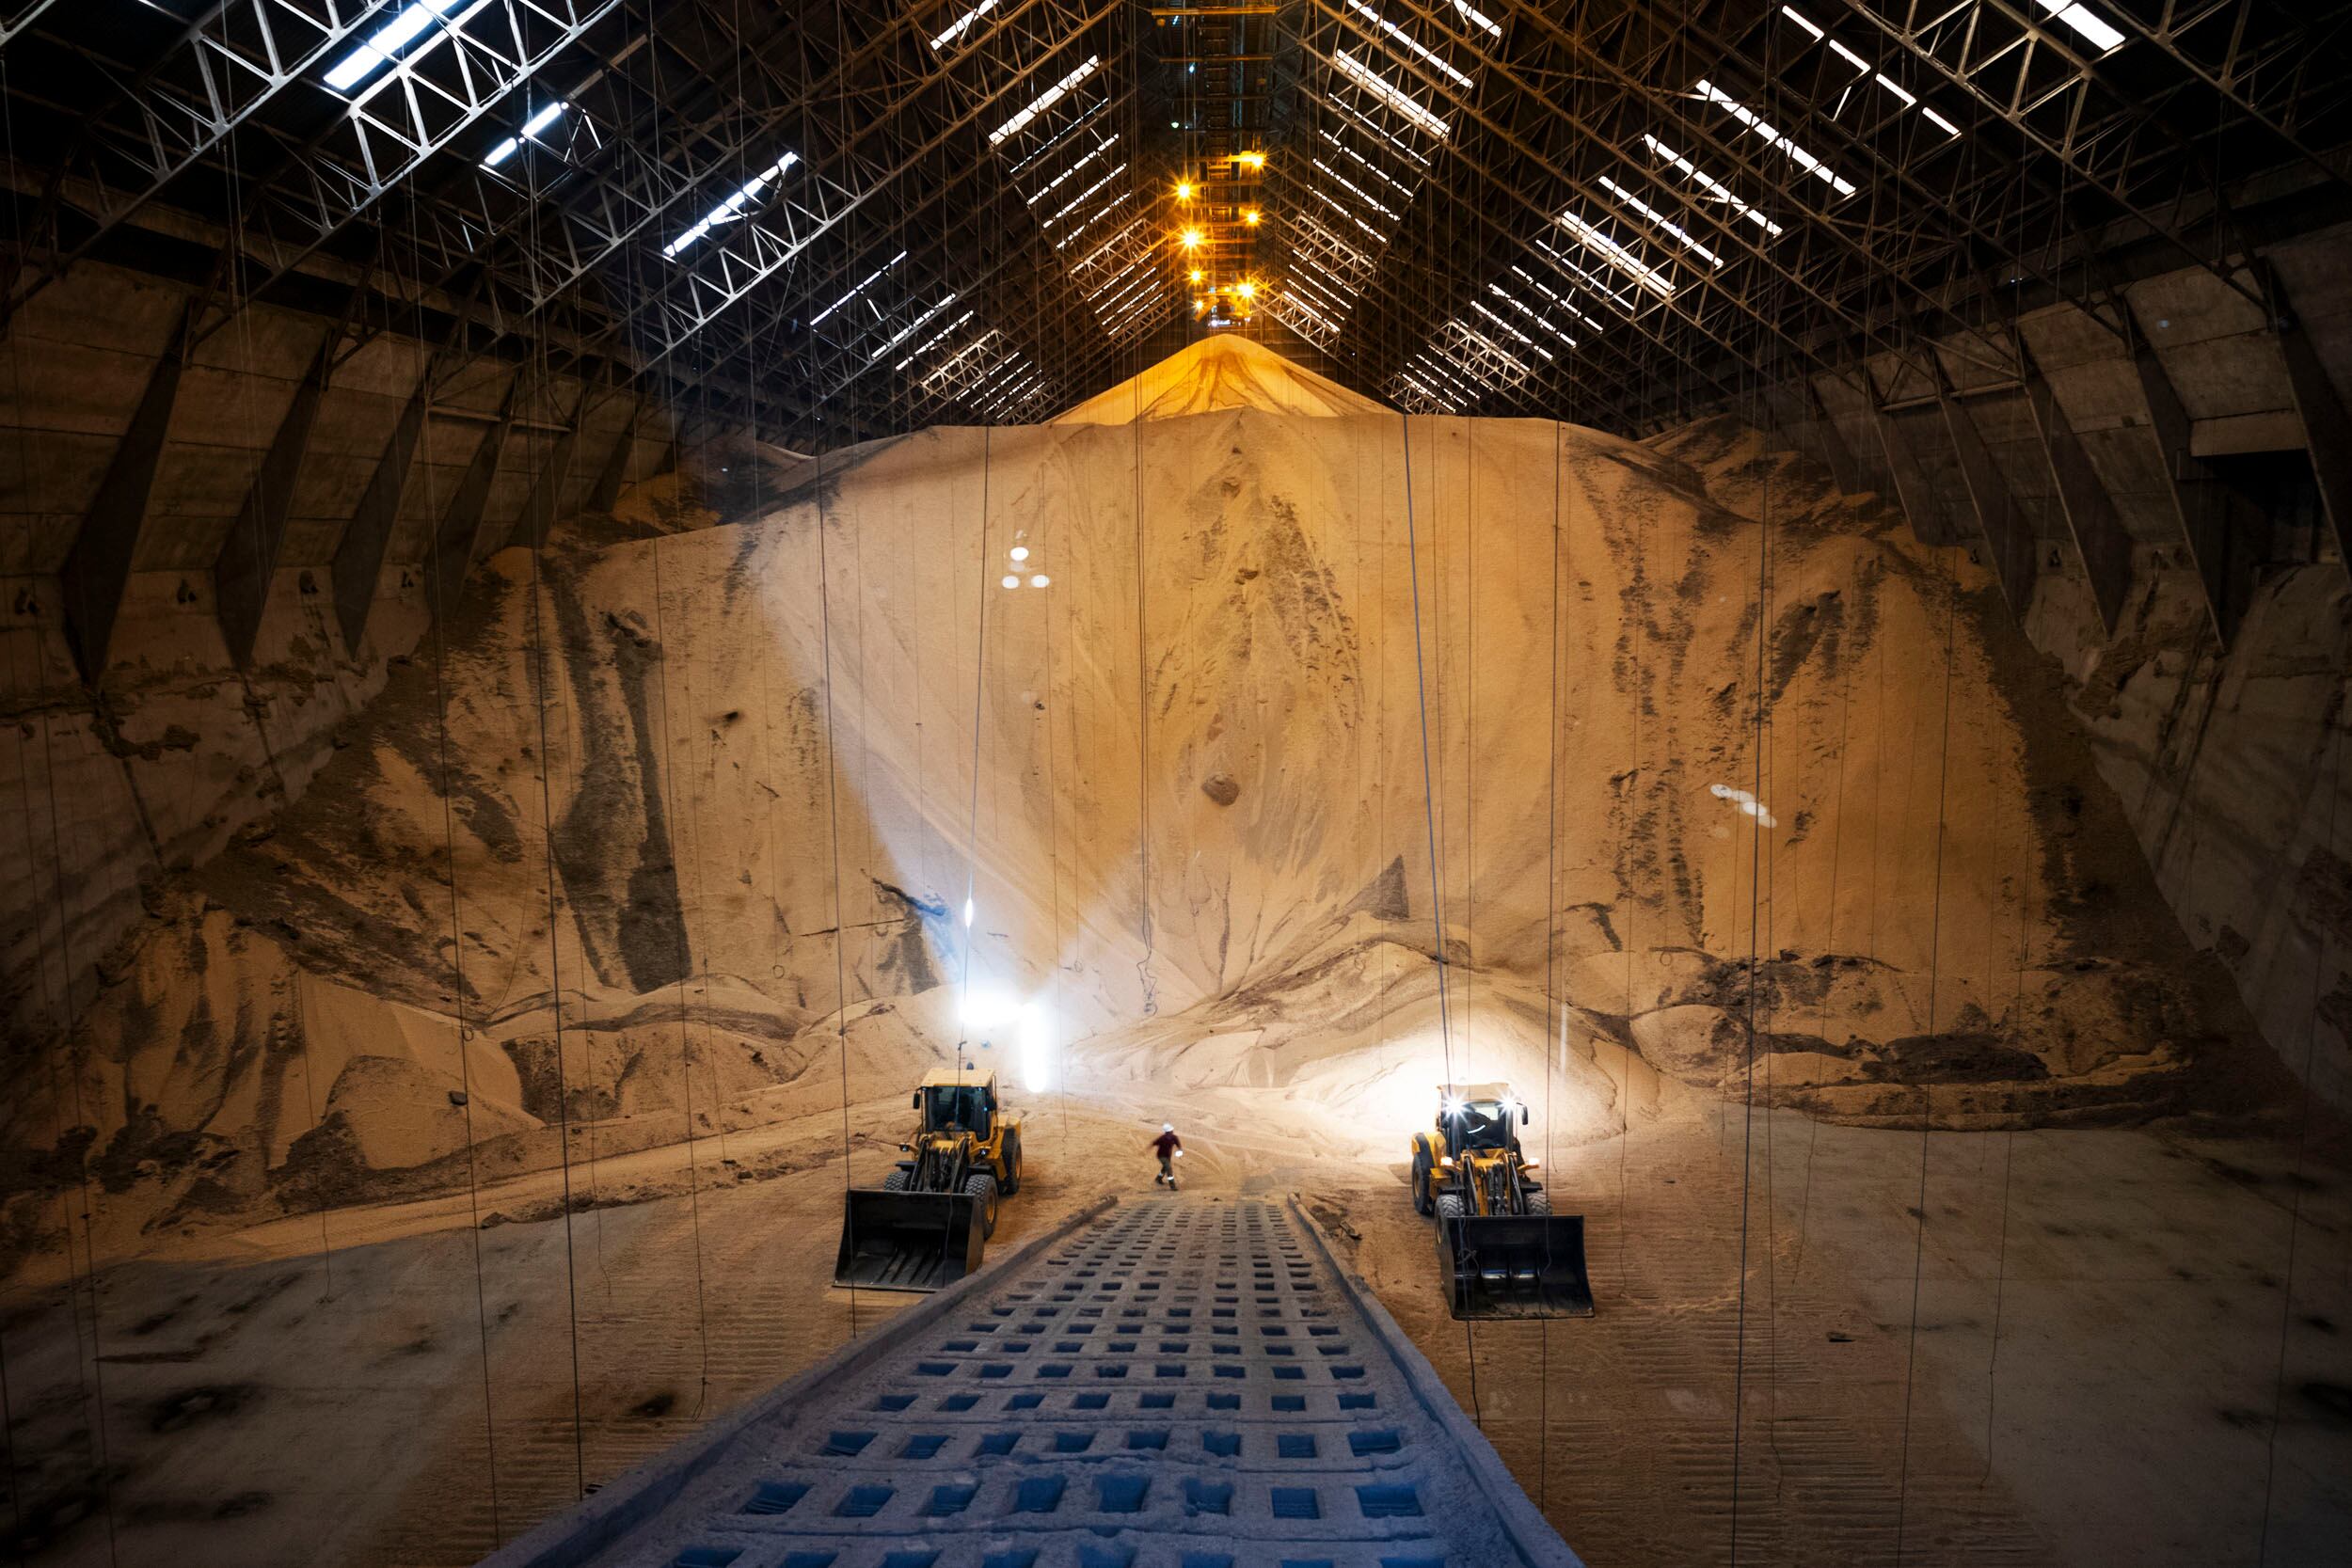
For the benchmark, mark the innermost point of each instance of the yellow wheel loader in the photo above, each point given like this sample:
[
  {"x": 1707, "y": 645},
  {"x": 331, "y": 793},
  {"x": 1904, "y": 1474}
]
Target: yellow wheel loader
[
  {"x": 927, "y": 1224},
  {"x": 1502, "y": 1252}
]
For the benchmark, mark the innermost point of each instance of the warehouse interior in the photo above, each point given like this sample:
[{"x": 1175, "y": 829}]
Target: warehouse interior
[{"x": 610, "y": 606}]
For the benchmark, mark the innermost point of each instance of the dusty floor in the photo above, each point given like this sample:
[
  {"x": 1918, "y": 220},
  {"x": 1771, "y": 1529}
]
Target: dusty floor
[{"x": 2094, "y": 1375}]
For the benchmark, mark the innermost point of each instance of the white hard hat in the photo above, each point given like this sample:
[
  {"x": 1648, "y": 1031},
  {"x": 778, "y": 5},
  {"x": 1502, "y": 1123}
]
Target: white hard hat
[{"x": 1167, "y": 1127}]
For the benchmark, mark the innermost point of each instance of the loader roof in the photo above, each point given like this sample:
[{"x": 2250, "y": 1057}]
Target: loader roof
[
  {"x": 1472, "y": 1092},
  {"x": 948, "y": 1078}
]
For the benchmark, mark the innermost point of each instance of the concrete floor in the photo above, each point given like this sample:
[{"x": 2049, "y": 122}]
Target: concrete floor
[{"x": 2162, "y": 1383}]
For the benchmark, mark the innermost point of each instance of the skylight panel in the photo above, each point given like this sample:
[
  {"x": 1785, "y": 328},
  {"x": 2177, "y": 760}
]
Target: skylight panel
[
  {"x": 1618, "y": 256},
  {"x": 1086, "y": 224},
  {"x": 1943, "y": 125},
  {"x": 1366, "y": 164},
  {"x": 936, "y": 339},
  {"x": 1506, "y": 326},
  {"x": 529, "y": 132},
  {"x": 1861, "y": 65},
  {"x": 1477, "y": 18},
  {"x": 1359, "y": 118},
  {"x": 1401, "y": 36},
  {"x": 1045, "y": 100},
  {"x": 1332, "y": 202},
  {"x": 1290, "y": 299},
  {"x": 1046, "y": 149},
  {"x": 1599, "y": 286},
  {"x": 1543, "y": 322},
  {"x": 1370, "y": 80},
  {"x": 2094, "y": 28},
  {"x": 1801, "y": 19},
  {"x": 1096, "y": 253},
  {"x": 382, "y": 46},
  {"x": 1353, "y": 187},
  {"x": 1712, "y": 186},
  {"x": 955, "y": 30},
  {"x": 1661, "y": 220},
  {"x": 1097, "y": 150},
  {"x": 912, "y": 328},
  {"x": 728, "y": 211},
  {"x": 860, "y": 287},
  {"x": 1747, "y": 117},
  {"x": 1545, "y": 289},
  {"x": 1083, "y": 196}
]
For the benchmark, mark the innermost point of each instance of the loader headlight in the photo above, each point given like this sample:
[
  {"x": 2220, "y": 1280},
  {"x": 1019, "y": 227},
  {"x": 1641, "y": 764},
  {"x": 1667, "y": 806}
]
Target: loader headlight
[
  {"x": 1445, "y": 1162},
  {"x": 1454, "y": 1107}
]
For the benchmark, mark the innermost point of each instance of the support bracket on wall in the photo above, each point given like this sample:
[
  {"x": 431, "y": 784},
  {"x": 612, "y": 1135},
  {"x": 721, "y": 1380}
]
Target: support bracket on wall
[
  {"x": 2007, "y": 534},
  {"x": 2099, "y": 538},
  {"x": 249, "y": 556},
  {"x": 2326, "y": 428},
  {"x": 97, "y": 569},
  {"x": 2200, "y": 499}
]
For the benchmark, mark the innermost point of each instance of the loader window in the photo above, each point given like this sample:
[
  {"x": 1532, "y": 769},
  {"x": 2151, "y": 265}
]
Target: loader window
[
  {"x": 1480, "y": 1124},
  {"x": 964, "y": 1106}
]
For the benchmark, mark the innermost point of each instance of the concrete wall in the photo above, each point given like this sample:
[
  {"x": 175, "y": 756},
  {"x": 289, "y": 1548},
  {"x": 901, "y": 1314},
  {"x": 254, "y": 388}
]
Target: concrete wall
[
  {"x": 2229, "y": 757},
  {"x": 175, "y": 746}
]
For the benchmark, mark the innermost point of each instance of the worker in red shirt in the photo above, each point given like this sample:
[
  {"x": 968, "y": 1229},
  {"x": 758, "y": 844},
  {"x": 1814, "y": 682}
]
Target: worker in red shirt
[{"x": 1170, "y": 1149}]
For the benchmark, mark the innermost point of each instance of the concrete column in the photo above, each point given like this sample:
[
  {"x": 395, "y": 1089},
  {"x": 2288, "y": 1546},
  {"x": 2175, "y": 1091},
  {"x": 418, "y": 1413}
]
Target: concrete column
[{"x": 2200, "y": 499}]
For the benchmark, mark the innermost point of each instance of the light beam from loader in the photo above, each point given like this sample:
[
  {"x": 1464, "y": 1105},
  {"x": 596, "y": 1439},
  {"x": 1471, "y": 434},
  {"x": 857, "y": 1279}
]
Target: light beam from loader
[
  {"x": 929, "y": 1222},
  {"x": 1502, "y": 1252}
]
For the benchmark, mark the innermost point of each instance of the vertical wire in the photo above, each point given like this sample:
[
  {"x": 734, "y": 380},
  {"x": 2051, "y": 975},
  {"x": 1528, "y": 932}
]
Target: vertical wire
[
  {"x": 1927, "y": 1093},
  {"x": 2333, "y": 718},
  {"x": 1551, "y": 1001}
]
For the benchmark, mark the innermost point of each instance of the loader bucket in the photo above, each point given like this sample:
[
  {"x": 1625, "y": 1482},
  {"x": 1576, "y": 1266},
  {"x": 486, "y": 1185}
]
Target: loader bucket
[
  {"x": 908, "y": 1240},
  {"x": 1515, "y": 1266}
]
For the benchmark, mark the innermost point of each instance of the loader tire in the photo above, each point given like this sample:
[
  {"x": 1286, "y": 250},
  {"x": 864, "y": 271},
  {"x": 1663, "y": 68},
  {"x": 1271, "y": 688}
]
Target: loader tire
[
  {"x": 981, "y": 1190},
  {"x": 898, "y": 1180},
  {"x": 1539, "y": 1202},
  {"x": 1421, "y": 1182},
  {"x": 1012, "y": 1164},
  {"x": 1449, "y": 1206}
]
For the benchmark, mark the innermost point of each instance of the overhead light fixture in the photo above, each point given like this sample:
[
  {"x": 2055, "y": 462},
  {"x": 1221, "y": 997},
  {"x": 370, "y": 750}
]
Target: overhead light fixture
[
  {"x": 1009, "y": 580},
  {"x": 1019, "y": 552},
  {"x": 389, "y": 41},
  {"x": 1477, "y": 18},
  {"x": 1039, "y": 580},
  {"x": 2093, "y": 27},
  {"x": 1251, "y": 216},
  {"x": 1045, "y": 100},
  {"x": 1196, "y": 275},
  {"x": 1246, "y": 291},
  {"x": 727, "y": 210},
  {"x": 1190, "y": 239},
  {"x": 1184, "y": 190},
  {"x": 1251, "y": 159},
  {"x": 531, "y": 129}
]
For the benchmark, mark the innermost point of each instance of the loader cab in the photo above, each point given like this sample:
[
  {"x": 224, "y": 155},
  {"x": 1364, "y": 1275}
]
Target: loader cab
[
  {"x": 1482, "y": 1118},
  {"x": 968, "y": 1106}
]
